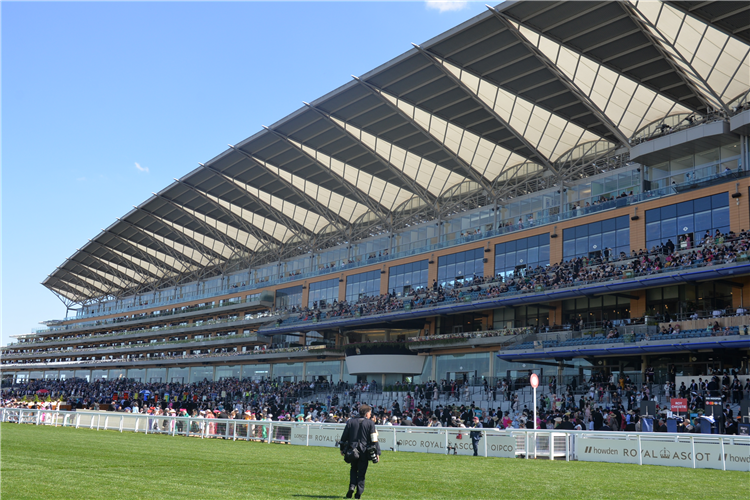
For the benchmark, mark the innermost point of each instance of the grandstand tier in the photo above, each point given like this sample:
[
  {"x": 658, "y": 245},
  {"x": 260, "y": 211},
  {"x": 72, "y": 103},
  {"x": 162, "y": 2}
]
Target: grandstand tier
[{"x": 550, "y": 187}]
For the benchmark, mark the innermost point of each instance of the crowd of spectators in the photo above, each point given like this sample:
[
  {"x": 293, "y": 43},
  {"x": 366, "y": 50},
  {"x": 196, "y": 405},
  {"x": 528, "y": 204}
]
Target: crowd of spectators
[{"x": 586, "y": 409}]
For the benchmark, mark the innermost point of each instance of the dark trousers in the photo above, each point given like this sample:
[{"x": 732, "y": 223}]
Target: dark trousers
[
  {"x": 475, "y": 445},
  {"x": 357, "y": 473}
]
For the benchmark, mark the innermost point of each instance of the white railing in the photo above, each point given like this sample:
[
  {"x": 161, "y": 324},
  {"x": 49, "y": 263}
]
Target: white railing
[{"x": 670, "y": 449}]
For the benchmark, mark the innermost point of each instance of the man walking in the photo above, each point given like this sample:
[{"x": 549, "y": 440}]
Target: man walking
[
  {"x": 475, "y": 435},
  {"x": 360, "y": 434}
]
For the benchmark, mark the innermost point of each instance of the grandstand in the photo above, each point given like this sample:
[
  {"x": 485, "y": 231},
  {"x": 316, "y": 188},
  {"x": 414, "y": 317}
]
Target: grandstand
[{"x": 547, "y": 187}]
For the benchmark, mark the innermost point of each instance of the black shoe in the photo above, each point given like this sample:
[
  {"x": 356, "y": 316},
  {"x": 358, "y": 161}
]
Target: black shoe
[
  {"x": 357, "y": 496},
  {"x": 350, "y": 492}
]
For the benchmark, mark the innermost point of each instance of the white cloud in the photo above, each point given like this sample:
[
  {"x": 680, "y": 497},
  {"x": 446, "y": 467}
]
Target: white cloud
[
  {"x": 140, "y": 168},
  {"x": 446, "y": 6}
]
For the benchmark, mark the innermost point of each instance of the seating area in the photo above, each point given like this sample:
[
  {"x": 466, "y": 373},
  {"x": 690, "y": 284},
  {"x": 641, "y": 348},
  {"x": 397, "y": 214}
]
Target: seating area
[{"x": 601, "y": 339}]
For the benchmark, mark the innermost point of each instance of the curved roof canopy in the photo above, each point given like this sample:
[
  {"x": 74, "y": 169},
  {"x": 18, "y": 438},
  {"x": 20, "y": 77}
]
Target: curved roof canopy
[{"x": 499, "y": 99}]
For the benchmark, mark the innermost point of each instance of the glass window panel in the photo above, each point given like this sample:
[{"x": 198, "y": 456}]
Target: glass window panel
[
  {"x": 522, "y": 244},
  {"x": 544, "y": 255},
  {"x": 668, "y": 228},
  {"x": 533, "y": 256},
  {"x": 720, "y": 217},
  {"x": 623, "y": 238},
  {"x": 720, "y": 200},
  {"x": 521, "y": 257},
  {"x": 685, "y": 208},
  {"x": 684, "y": 225},
  {"x": 668, "y": 212},
  {"x": 499, "y": 262},
  {"x": 582, "y": 231},
  {"x": 609, "y": 225},
  {"x": 569, "y": 234},
  {"x": 595, "y": 243},
  {"x": 595, "y": 228},
  {"x": 702, "y": 204},
  {"x": 623, "y": 222},
  {"x": 582, "y": 245},
  {"x": 702, "y": 221},
  {"x": 653, "y": 215},
  {"x": 569, "y": 249},
  {"x": 653, "y": 230},
  {"x": 609, "y": 239}
]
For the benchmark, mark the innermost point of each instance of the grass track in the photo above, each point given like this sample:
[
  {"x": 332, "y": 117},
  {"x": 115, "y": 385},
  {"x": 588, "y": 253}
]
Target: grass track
[{"x": 65, "y": 463}]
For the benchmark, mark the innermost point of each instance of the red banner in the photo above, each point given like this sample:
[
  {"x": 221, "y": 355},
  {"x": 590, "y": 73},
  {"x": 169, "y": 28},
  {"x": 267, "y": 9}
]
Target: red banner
[{"x": 679, "y": 405}]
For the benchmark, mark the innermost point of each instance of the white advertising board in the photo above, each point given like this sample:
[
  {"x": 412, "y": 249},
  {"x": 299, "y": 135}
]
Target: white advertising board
[
  {"x": 326, "y": 436},
  {"x": 680, "y": 454}
]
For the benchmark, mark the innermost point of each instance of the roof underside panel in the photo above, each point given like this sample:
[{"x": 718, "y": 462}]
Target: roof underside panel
[
  {"x": 732, "y": 18},
  {"x": 490, "y": 51},
  {"x": 715, "y": 58},
  {"x": 607, "y": 34},
  {"x": 626, "y": 103}
]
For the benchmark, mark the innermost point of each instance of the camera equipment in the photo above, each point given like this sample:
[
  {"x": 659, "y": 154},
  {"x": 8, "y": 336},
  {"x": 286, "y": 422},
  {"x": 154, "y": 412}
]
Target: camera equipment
[
  {"x": 454, "y": 448},
  {"x": 372, "y": 454}
]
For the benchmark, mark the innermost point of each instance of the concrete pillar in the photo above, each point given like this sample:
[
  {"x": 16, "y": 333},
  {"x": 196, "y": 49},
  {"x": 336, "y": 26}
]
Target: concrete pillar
[{"x": 387, "y": 334}]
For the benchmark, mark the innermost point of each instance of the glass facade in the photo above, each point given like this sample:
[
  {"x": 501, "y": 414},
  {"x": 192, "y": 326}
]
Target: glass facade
[
  {"x": 289, "y": 297},
  {"x": 363, "y": 284},
  {"x": 156, "y": 375},
  {"x": 288, "y": 372},
  {"x": 223, "y": 372},
  {"x": 680, "y": 301},
  {"x": 695, "y": 167},
  {"x": 323, "y": 292},
  {"x": 687, "y": 221},
  {"x": 461, "y": 266},
  {"x": 463, "y": 367},
  {"x": 595, "y": 310},
  {"x": 521, "y": 254},
  {"x": 588, "y": 240},
  {"x": 198, "y": 373},
  {"x": 323, "y": 370},
  {"x": 256, "y": 372},
  {"x": 407, "y": 277},
  {"x": 138, "y": 374},
  {"x": 179, "y": 375}
]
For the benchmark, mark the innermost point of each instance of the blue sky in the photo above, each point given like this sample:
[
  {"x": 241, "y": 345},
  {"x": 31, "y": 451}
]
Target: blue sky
[{"x": 104, "y": 103}]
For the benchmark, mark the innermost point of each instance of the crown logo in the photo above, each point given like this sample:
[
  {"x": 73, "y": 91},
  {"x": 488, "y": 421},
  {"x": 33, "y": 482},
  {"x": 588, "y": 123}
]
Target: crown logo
[{"x": 664, "y": 453}]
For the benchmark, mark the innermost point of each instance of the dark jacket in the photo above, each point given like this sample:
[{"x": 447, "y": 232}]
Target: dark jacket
[{"x": 358, "y": 433}]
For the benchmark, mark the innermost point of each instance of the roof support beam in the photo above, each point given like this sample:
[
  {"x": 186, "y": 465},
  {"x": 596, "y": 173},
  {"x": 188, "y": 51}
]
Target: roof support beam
[
  {"x": 222, "y": 238},
  {"x": 590, "y": 105},
  {"x": 646, "y": 28},
  {"x": 61, "y": 286},
  {"x": 298, "y": 229},
  {"x": 260, "y": 235},
  {"x": 543, "y": 160},
  {"x": 467, "y": 170},
  {"x": 74, "y": 279},
  {"x": 415, "y": 188},
  {"x": 357, "y": 194},
  {"x": 108, "y": 284},
  {"x": 145, "y": 274},
  {"x": 321, "y": 209},
  {"x": 213, "y": 256},
  {"x": 178, "y": 256}
]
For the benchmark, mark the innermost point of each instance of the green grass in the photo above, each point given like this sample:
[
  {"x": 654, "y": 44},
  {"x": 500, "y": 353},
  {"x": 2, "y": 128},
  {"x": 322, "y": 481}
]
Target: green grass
[{"x": 65, "y": 463}]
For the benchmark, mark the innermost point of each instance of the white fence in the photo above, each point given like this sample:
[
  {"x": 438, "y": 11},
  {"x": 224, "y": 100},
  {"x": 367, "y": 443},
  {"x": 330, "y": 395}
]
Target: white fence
[{"x": 702, "y": 451}]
